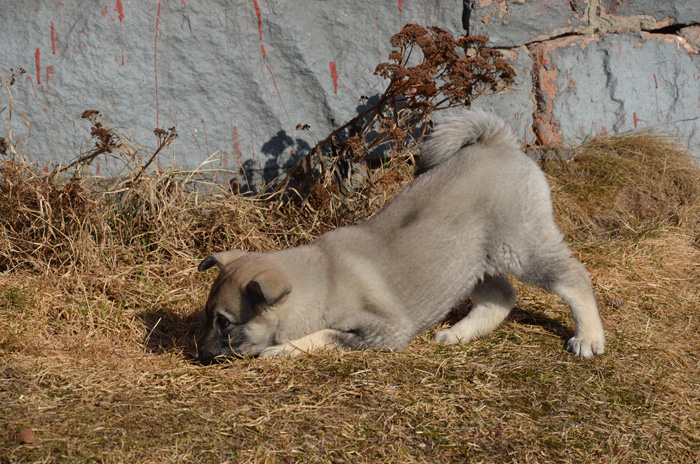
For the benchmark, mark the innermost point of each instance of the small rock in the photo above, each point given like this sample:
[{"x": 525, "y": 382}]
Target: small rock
[{"x": 25, "y": 436}]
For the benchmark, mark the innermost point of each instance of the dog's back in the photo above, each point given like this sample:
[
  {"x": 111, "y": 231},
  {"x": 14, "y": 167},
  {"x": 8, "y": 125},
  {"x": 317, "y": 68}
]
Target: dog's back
[{"x": 474, "y": 209}]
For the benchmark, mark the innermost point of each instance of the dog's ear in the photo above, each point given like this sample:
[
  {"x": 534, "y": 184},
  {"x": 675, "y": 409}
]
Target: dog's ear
[
  {"x": 269, "y": 286},
  {"x": 220, "y": 259}
]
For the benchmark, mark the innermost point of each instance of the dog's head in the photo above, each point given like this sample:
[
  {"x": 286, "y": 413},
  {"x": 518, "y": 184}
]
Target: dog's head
[{"x": 240, "y": 314}]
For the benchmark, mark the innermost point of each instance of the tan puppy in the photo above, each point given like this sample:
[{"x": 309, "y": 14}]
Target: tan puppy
[{"x": 478, "y": 209}]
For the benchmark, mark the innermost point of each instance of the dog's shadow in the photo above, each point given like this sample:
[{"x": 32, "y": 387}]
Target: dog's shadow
[
  {"x": 519, "y": 316},
  {"x": 535, "y": 319},
  {"x": 169, "y": 332}
]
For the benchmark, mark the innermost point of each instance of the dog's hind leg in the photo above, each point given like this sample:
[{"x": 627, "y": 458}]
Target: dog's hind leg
[
  {"x": 558, "y": 272},
  {"x": 574, "y": 287},
  {"x": 492, "y": 299}
]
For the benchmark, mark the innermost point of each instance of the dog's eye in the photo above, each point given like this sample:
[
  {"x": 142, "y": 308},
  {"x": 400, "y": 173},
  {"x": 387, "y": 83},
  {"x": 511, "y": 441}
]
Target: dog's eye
[{"x": 222, "y": 322}]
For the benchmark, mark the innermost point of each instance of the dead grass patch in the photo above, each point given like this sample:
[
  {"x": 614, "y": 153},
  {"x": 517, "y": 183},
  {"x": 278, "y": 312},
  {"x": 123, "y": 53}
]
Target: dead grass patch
[
  {"x": 99, "y": 295},
  {"x": 633, "y": 184}
]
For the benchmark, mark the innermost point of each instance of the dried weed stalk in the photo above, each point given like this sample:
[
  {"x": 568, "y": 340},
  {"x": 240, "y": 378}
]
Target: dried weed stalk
[
  {"x": 110, "y": 141},
  {"x": 8, "y": 145},
  {"x": 54, "y": 222}
]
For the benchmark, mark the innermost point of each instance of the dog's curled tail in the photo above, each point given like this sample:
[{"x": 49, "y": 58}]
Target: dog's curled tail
[{"x": 467, "y": 128}]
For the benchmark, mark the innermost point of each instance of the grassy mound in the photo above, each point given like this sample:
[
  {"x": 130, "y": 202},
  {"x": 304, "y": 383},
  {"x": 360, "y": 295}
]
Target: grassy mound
[
  {"x": 99, "y": 296},
  {"x": 639, "y": 182}
]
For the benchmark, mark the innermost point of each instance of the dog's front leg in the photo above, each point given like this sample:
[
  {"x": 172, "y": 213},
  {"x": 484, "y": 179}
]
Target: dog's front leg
[{"x": 323, "y": 339}]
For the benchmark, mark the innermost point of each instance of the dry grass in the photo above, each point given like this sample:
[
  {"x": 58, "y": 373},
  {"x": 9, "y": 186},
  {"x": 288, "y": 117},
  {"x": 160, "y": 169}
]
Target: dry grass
[{"x": 99, "y": 295}]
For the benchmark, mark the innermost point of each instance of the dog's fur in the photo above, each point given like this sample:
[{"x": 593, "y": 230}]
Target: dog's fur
[{"x": 478, "y": 209}]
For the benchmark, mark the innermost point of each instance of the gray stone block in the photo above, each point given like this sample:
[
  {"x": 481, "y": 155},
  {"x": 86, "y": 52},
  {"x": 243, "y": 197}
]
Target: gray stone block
[
  {"x": 515, "y": 23},
  {"x": 234, "y": 77},
  {"x": 614, "y": 83},
  {"x": 517, "y": 105},
  {"x": 681, "y": 11}
]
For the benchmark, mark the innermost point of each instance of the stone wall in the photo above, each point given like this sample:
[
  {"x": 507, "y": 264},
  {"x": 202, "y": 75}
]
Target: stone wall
[
  {"x": 236, "y": 77},
  {"x": 594, "y": 67}
]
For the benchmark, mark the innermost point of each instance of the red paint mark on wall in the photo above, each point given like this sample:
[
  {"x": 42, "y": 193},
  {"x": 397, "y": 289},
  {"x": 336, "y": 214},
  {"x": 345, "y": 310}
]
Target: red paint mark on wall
[
  {"x": 636, "y": 119},
  {"x": 120, "y": 9},
  {"x": 656, "y": 83},
  {"x": 37, "y": 58},
  {"x": 279, "y": 95},
  {"x": 155, "y": 65},
  {"x": 49, "y": 73},
  {"x": 206, "y": 140},
  {"x": 400, "y": 6},
  {"x": 274, "y": 82},
  {"x": 334, "y": 75},
  {"x": 29, "y": 79},
  {"x": 236, "y": 144},
  {"x": 257, "y": 12},
  {"x": 104, "y": 12},
  {"x": 53, "y": 40}
]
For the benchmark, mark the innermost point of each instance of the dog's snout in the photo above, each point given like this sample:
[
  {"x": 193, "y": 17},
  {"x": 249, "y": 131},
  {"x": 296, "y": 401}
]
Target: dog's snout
[
  {"x": 203, "y": 356},
  {"x": 205, "y": 360}
]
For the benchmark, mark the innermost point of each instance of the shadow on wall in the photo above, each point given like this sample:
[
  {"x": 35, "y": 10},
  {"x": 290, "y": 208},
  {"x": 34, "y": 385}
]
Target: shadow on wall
[{"x": 283, "y": 152}]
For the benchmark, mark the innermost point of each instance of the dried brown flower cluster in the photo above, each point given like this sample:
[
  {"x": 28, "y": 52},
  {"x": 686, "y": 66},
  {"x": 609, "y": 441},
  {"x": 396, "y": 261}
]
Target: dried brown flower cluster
[
  {"x": 106, "y": 141},
  {"x": 452, "y": 72},
  {"x": 430, "y": 70},
  {"x": 14, "y": 74}
]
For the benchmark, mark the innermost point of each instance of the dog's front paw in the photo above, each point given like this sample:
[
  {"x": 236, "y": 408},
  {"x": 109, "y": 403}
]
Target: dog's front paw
[
  {"x": 273, "y": 352},
  {"x": 448, "y": 337},
  {"x": 285, "y": 351},
  {"x": 586, "y": 347}
]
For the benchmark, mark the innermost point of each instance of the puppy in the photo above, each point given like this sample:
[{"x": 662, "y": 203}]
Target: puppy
[{"x": 478, "y": 210}]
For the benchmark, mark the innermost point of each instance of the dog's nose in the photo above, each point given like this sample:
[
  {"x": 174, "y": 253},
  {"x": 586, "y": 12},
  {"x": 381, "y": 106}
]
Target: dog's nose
[
  {"x": 199, "y": 357},
  {"x": 205, "y": 359},
  {"x": 202, "y": 356}
]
